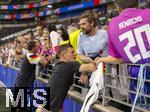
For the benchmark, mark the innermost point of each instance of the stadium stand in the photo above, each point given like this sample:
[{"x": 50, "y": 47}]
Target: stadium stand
[{"x": 121, "y": 81}]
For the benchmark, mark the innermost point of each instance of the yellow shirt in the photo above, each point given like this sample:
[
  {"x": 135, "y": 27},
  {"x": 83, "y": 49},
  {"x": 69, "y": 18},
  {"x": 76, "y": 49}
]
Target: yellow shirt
[
  {"x": 74, "y": 40},
  {"x": 64, "y": 42}
]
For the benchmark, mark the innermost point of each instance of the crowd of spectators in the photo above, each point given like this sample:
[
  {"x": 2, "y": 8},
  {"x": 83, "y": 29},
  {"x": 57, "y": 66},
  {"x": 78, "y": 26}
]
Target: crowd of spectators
[{"x": 49, "y": 37}]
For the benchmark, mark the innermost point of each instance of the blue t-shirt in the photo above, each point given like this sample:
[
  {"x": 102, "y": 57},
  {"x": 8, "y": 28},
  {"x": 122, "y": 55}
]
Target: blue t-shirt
[{"x": 93, "y": 46}]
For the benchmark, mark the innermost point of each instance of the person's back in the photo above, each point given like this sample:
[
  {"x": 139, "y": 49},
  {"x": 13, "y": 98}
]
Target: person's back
[
  {"x": 129, "y": 36},
  {"x": 129, "y": 42},
  {"x": 27, "y": 70},
  {"x": 60, "y": 82}
]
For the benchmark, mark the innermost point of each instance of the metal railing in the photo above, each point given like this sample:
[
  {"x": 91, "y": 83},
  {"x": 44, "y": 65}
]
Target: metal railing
[
  {"x": 124, "y": 83},
  {"x": 44, "y": 71},
  {"x": 117, "y": 81},
  {"x": 120, "y": 79}
]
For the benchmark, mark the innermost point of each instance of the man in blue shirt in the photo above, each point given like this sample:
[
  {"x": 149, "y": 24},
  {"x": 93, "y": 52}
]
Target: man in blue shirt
[{"x": 92, "y": 41}]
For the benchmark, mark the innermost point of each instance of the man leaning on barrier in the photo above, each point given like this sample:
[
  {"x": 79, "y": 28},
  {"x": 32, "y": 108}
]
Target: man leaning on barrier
[
  {"x": 62, "y": 75},
  {"x": 131, "y": 31},
  {"x": 26, "y": 76},
  {"x": 27, "y": 71},
  {"x": 129, "y": 38}
]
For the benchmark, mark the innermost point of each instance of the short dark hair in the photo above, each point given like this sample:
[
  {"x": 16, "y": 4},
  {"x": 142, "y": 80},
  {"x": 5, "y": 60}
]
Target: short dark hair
[
  {"x": 123, "y": 4},
  {"x": 51, "y": 27},
  {"x": 90, "y": 18},
  {"x": 31, "y": 45},
  {"x": 63, "y": 48}
]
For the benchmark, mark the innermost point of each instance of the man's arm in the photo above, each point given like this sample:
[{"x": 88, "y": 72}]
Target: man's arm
[
  {"x": 91, "y": 67},
  {"x": 84, "y": 58},
  {"x": 43, "y": 60},
  {"x": 108, "y": 59}
]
